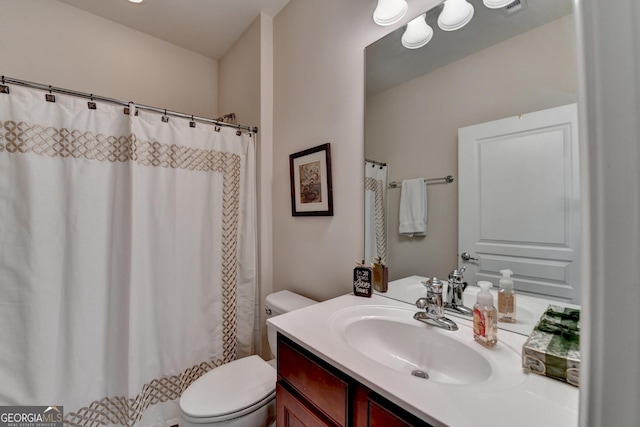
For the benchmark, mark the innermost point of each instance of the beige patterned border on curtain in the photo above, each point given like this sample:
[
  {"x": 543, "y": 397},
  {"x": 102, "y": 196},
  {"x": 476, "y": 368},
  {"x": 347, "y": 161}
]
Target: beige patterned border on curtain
[
  {"x": 25, "y": 138},
  {"x": 381, "y": 235}
]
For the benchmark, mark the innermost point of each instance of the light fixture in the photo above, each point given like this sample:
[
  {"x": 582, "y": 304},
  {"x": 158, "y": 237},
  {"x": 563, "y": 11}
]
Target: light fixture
[
  {"x": 455, "y": 15},
  {"x": 388, "y": 12},
  {"x": 497, "y": 4},
  {"x": 136, "y": 1},
  {"x": 418, "y": 33}
]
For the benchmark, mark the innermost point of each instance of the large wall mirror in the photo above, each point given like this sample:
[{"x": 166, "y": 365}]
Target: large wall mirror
[{"x": 503, "y": 64}]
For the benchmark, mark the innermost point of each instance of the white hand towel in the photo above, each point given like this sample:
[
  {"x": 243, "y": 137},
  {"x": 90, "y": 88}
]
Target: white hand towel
[{"x": 413, "y": 207}]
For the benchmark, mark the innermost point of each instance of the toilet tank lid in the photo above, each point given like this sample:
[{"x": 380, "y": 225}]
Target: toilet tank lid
[
  {"x": 229, "y": 388},
  {"x": 286, "y": 301}
]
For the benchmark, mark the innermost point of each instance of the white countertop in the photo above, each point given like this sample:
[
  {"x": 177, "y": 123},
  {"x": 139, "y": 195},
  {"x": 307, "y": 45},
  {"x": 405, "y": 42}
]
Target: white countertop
[{"x": 533, "y": 401}]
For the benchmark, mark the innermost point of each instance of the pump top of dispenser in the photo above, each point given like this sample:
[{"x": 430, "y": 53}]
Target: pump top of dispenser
[
  {"x": 505, "y": 281},
  {"x": 484, "y": 296}
]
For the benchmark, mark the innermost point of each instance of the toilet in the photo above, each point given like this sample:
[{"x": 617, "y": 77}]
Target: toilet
[{"x": 241, "y": 393}]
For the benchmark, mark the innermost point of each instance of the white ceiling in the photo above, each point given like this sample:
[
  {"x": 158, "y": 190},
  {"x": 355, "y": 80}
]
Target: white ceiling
[{"x": 208, "y": 27}]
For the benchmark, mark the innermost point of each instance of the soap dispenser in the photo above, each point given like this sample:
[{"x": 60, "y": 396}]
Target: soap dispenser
[
  {"x": 485, "y": 317},
  {"x": 506, "y": 298},
  {"x": 380, "y": 275}
]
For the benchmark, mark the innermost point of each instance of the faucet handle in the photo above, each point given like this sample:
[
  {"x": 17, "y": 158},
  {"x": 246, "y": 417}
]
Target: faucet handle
[
  {"x": 456, "y": 275},
  {"x": 421, "y": 303},
  {"x": 433, "y": 285}
]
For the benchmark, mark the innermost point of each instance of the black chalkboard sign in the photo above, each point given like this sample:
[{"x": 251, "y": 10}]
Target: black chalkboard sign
[{"x": 362, "y": 282}]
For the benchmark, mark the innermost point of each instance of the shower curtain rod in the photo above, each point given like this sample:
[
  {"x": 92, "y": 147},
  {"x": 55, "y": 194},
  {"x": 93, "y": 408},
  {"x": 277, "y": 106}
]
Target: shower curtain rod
[
  {"x": 375, "y": 162},
  {"x": 92, "y": 97}
]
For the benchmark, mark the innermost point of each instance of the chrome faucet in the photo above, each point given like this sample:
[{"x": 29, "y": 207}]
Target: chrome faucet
[
  {"x": 455, "y": 291},
  {"x": 433, "y": 306}
]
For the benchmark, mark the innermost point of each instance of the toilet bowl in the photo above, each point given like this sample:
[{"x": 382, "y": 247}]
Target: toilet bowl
[{"x": 240, "y": 393}]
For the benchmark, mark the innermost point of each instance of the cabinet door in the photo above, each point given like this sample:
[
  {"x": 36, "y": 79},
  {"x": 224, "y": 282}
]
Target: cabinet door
[
  {"x": 291, "y": 412},
  {"x": 371, "y": 410},
  {"x": 382, "y": 417},
  {"x": 317, "y": 384}
]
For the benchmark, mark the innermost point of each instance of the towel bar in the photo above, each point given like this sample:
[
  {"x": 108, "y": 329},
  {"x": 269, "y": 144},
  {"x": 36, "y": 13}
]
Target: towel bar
[{"x": 446, "y": 179}]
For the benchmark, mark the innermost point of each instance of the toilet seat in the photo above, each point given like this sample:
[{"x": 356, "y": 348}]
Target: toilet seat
[{"x": 229, "y": 391}]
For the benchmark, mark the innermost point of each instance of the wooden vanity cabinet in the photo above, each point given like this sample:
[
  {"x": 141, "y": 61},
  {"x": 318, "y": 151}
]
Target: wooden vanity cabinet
[
  {"x": 292, "y": 412},
  {"x": 372, "y": 410},
  {"x": 312, "y": 393},
  {"x": 311, "y": 383}
]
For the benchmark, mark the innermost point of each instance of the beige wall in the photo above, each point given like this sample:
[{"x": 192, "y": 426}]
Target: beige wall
[
  {"x": 610, "y": 88},
  {"x": 265, "y": 173},
  {"x": 319, "y": 98},
  {"x": 246, "y": 89},
  {"x": 413, "y": 127},
  {"x": 52, "y": 43},
  {"x": 239, "y": 78}
]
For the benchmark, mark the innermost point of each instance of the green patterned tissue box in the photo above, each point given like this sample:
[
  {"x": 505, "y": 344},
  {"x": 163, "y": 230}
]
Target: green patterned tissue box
[{"x": 553, "y": 348}]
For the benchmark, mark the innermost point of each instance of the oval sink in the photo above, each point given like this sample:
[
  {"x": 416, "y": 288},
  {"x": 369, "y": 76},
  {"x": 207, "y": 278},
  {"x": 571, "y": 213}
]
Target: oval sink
[
  {"x": 390, "y": 337},
  {"x": 407, "y": 348}
]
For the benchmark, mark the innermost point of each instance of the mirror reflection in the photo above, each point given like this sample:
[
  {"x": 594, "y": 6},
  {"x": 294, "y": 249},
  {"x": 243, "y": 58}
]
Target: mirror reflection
[{"x": 503, "y": 65}]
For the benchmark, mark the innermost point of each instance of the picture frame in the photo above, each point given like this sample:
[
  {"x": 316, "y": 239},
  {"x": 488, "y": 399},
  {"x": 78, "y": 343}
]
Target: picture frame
[{"x": 311, "y": 187}]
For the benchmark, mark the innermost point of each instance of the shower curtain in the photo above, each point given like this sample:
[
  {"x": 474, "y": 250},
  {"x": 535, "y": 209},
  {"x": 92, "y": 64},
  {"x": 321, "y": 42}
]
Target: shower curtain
[
  {"x": 127, "y": 257},
  {"x": 375, "y": 211}
]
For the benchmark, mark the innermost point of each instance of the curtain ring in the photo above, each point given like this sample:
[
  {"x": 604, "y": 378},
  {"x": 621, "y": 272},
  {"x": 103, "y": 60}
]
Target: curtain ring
[{"x": 91, "y": 104}]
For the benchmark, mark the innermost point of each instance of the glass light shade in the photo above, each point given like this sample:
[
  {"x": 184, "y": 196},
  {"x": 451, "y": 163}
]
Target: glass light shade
[
  {"x": 389, "y": 12},
  {"x": 455, "y": 15},
  {"x": 418, "y": 33},
  {"x": 136, "y": 1},
  {"x": 496, "y": 4}
]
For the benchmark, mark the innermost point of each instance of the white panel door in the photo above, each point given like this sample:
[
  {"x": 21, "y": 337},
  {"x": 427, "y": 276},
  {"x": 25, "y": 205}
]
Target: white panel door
[{"x": 519, "y": 201}]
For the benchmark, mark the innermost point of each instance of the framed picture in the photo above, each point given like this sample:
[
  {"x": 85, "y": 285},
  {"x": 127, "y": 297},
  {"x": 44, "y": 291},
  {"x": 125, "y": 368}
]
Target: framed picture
[{"x": 311, "y": 191}]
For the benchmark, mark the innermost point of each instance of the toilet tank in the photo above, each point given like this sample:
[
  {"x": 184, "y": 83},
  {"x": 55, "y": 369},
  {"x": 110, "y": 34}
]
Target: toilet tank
[{"x": 279, "y": 303}]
